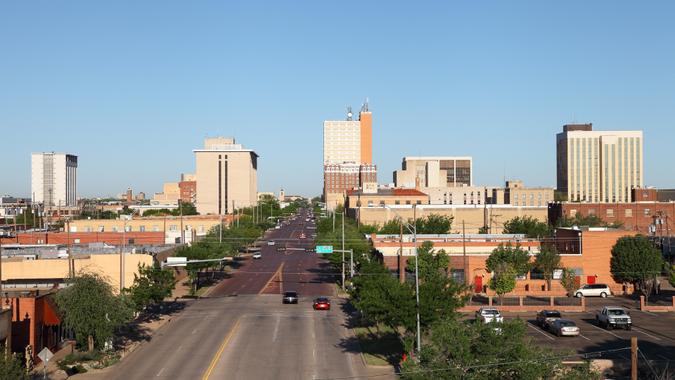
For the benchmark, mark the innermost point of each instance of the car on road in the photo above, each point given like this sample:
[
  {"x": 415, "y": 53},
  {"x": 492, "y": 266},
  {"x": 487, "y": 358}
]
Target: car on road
[
  {"x": 281, "y": 249},
  {"x": 271, "y": 242},
  {"x": 257, "y": 255},
  {"x": 546, "y": 317},
  {"x": 564, "y": 327},
  {"x": 611, "y": 317},
  {"x": 488, "y": 315},
  {"x": 290, "y": 297},
  {"x": 593, "y": 290},
  {"x": 321, "y": 303},
  {"x": 277, "y": 227},
  {"x": 302, "y": 236}
]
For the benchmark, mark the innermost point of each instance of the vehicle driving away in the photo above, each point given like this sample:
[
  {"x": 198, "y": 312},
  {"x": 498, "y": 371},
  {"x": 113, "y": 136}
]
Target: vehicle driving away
[
  {"x": 321, "y": 303},
  {"x": 546, "y": 317},
  {"x": 257, "y": 255},
  {"x": 290, "y": 297},
  {"x": 611, "y": 317},
  {"x": 488, "y": 315},
  {"x": 593, "y": 290},
  {"x": 271, "y": 242},
  {"x": 564, "y": 327}
]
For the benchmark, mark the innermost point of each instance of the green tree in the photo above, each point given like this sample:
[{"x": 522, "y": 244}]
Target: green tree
[
  {"x": 569, "y": 281},
  {"x": 635, "y": 260},
  {"x": 91, "y": 309},
  {"x": 458, "y": 350},
  {"x": 516, "y": 257},
  {"x": 547, "y": 261},
  {"x": 151, "y": 285},
  {"x": 434, "y": 224},
  {"x": 503, "y": 280},
  {"x": 11, "y": 367},
  {"x": 527, "y": 225},
  {"x": 671, "y": 277},
  {"x": 392, "y": 227}
]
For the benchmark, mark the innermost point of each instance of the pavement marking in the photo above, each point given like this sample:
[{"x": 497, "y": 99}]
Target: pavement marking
[
  {"x": 160, "y": 372},
  {"x": 276, "y": 329},
  {"x": 540, "y": 332},
  {"x": 216, "y": 357},
  {"x": 662, "y": 357},
  {"x": 179, "y": 348},
  {"x": 581, "y": 335},
  {"x": 649, "y": 335},
  {"x": 607, "y": 331},
  {"x": 278, "y": 272},
  {"x": 194, "y": 331},
  {"x": 647, "y": 312}
]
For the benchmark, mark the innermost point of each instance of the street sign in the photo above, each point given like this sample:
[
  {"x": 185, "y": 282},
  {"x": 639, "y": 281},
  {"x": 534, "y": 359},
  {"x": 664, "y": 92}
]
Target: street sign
[
  {"x": 176, "y": 261},
  {"x": 324, "y": 249},
  {"x": 45, "y": 355}
]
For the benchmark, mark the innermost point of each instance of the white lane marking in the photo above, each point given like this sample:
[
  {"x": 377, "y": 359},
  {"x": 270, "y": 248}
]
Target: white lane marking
[
  {"x": 581, "y": 335},
  {"x": 539, "y": 331},
  {"x": 160, "y": 372},
  {"x": 179, "y": 348},
  {"x": 276, "y": 329},
  {"x": 662, "y": 357},
  {"x": 194, "y": 331},
  {"x": 648, "y": 312},
  {"x": 607, "y": 331},
  {"x": 649, "y": 335}
]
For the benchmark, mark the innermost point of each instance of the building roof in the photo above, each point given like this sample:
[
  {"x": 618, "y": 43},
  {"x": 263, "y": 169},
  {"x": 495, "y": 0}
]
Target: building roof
[
  {"x": 436, "y": 158},
  {"x": 390, "y": 193}
]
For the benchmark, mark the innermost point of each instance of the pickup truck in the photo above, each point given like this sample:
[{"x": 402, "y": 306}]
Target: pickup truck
[{"x": 612, "y": 317}]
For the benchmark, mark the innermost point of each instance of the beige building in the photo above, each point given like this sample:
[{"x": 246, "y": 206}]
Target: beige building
[
  {"x": 518, "y": 195},
  {"x": 53, "y": 271},
  {"x": 169, "y": 195},
  {"x": 433, "y": 172},
  {"x": 54, "y": 179},
  {"x": 598, "y": 166},
  {"x": 477, "y": 217},
  {"x": 514, "y": 193},
  {"x": 226, "y": 176},
  {"x": 349, "y": 140}
]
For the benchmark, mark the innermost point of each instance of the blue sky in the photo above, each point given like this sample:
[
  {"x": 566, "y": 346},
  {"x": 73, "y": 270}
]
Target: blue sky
[{"x": 132, "y": 87}]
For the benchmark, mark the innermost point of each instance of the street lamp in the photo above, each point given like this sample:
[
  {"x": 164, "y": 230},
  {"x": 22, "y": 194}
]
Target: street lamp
[{"x": 413, "y": 230}]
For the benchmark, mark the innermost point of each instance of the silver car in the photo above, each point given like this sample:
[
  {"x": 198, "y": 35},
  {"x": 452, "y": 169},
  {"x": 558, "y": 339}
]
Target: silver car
[
  {"x": 564, "y": 327},
  {"x": 488, "y": 315}
]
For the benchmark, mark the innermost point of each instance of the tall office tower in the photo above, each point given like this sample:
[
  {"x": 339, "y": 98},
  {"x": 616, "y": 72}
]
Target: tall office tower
[
  {"x": 598, "y": 166},
  {"x": 347, "y": 155},
  {"x": 54, "y": 179},
  {"x": 226, "y": 176},
  {"x": 434, "y": 172}
]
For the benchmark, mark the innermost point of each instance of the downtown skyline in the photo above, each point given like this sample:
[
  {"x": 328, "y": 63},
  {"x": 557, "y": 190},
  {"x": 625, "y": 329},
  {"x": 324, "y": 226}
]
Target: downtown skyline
[{"x": 497, "y": 87}]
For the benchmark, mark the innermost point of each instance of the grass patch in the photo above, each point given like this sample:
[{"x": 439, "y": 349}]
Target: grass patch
[{"x": 381, "y": 347}]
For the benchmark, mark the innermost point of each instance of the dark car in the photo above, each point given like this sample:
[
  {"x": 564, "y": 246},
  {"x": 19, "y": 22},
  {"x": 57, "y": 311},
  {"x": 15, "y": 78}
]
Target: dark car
[
  {"x": 290, "y": 297},
  {"x": 546, "y": 317},
  {"x": 321, "y": 303}
]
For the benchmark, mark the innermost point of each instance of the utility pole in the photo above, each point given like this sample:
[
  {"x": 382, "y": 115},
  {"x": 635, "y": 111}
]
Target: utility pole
[
  {"x": 417, "y": 280},
  {"x": 401, "y": 269},
  {"x": 464, "y": 252},
  {"x": 343, "y": 249},
  {"x": 220, "y": 230},
  {"x": 124, "y": 235},
  {"x": 633, "y": 358},
  {"x": 182, "y": 232}
]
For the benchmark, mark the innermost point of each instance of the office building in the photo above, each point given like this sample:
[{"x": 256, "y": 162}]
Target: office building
[
  {"x": 338, "y": 178},
  {"x": 54, "y": 179},
  {"x": 226, "y": 176},
  {"x": 434, "y": 172},
  {"x": 598, "y": 166}
]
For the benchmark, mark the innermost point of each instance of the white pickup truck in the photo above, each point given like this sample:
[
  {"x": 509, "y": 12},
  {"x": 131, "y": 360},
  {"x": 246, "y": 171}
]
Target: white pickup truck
[{"x": 612, "y": 317}]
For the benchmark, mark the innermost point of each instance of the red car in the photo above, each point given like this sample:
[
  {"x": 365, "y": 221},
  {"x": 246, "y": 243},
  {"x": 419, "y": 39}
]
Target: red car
[{"x": 321, "y": 303}]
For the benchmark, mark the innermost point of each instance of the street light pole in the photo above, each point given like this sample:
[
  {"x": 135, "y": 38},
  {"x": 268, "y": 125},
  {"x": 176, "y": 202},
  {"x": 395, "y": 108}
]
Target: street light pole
[
  {"x": 343, "y": 249},
  {"x": 417, "y": 280}
]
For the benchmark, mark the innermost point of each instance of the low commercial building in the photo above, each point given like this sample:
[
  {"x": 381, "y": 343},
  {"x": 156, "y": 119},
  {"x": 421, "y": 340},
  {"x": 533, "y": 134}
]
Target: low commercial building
[
  {"x": 513, "y": 193},
  {"x": 434, "y": 172},
  {"x": 372, "y": 196},
  {"x": 342, "y": 177},
  {"x": 169, "y": 196},
  {"x": 476, "y": 218},
  {"x": 587, "y": 252}
]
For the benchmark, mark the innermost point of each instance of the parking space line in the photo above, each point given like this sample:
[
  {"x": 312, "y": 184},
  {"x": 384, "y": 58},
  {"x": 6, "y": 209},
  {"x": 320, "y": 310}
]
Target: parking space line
[
  {"x": 607, "y": 331},
  {"x": 581, "y": 335},
  {"x": 540, "y": 332},
  {"x": 649, "y": 335},
  {"x": 662, "y": 357},
  {"x": 648, "y": 312}
]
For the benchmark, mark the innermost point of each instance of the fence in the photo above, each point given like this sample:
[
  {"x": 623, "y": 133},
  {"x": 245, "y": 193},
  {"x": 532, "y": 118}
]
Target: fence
[{"x": 526, "y": 304}]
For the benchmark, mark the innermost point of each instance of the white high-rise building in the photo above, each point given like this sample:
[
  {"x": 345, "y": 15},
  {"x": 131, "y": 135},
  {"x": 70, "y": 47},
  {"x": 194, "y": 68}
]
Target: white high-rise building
[
  {"x": 598, "y": 166},
  {"x": 54, "y": 179}
]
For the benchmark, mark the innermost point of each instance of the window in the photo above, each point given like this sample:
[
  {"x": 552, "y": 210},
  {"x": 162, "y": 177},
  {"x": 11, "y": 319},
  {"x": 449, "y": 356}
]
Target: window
[
  {"x": 573, "y": 213},
  {"x": 591, "y": 211},
  {"x": 370, "y": 203},
  {"x": 647, "y": 212},
  {"x": 114, "y": 228},
  {"x": 76, "y": 241},
  {"x": 457, "y": 275},
  {"x": 407, "y": 202},
  {"x": 397, "y": 202},
  {"x": 101, "y": 229},
  {"x": 141, "y": 228},
  {"x": 610, "y": 213},
  {"x": 173, "y": 227},
  {"x": 381, "y": 202},
  {"x": 127, "y": 228},
  {"x": 419, "y": 202},
  {"x": 155, "y": 228},
  {"x": 629, "y": 213},
  {"x": 87, "y": 229}
]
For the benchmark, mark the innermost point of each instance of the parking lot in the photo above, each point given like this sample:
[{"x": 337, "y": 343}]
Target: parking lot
[{"x": 655, "y": 333}]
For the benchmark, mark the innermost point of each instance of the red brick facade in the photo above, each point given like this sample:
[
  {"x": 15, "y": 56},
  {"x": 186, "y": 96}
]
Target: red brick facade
[{"x": 111, "y": 238}]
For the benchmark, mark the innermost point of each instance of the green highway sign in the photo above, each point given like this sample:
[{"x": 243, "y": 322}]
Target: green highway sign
[{"x": 324, "y": 249}]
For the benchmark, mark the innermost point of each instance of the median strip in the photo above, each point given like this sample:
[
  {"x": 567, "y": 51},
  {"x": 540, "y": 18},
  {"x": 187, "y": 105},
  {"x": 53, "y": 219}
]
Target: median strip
[{"x": 277, "y": 273}]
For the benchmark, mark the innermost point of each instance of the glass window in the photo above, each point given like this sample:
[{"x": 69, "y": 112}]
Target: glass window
[
  {"x": 647, "y": 212},
  {"x": 610, "y": 212},
  {"x": 629, "y": 212},
  {"x": 141, "y": 228}
]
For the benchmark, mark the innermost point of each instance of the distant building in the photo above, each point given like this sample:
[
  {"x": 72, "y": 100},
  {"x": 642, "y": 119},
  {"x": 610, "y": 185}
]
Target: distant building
[
  {"x": 129, "y": 196},
  {"x": 434, "y": 172},
  {"x": 169, "y": 196},
  {"x": 338, "y": 178},
  {"x": 226, "y": 176},
  {"x": 188, "y": 191},
  {"x": 598, "y": 166},
  {"x": 54, "y": 179},
  {"x": 140, "y": 196}
]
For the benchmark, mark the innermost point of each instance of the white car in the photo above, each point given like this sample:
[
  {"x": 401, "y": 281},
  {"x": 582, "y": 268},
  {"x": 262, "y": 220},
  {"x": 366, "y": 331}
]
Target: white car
[
  {"x": 271, "y": 242},
  {"x": 488, "y": 315},
  {"x": 257, "y": 255},
  {"x": 593, "y": 290}
]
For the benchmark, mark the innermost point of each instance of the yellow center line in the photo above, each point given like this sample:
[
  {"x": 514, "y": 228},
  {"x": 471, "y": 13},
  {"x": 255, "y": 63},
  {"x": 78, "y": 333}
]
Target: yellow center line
[
  {"x": 277, "y": 273},
  {"x": 216, "y": 357}
]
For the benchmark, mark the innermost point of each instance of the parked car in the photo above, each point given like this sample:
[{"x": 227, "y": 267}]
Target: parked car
[
  {"x": 321, "y": 303},
  {"x": 593, "y": 290},
  {"x": 281, "y": 249},
  {"x": 290, "y": 297},
  {"x": 564, "y": 327},
  {"x": 488, "y": 315},
  {"x": 271, "y": 242},
  {"x": 612, "y": 317},
  {"x": 257, "y": 255},
  {"x": 302, "y": 236},
  {"x": 546, "y": 317}
]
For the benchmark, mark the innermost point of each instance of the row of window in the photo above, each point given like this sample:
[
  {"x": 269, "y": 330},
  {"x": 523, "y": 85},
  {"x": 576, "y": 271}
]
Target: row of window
[
  {"x": 628, "y": 213},
  {"x": 142, "y": 228}
]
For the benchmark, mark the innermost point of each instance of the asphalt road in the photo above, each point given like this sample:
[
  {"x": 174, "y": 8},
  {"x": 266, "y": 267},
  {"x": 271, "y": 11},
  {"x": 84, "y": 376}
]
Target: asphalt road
[{"x": 243, "y": 331}]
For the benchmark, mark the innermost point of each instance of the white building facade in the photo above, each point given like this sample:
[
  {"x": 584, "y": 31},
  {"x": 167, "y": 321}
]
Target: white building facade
[{"x": 54, "y": 179}]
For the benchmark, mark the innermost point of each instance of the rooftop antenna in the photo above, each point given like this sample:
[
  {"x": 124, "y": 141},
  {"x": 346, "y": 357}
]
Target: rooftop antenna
[
  {"x": 349, "y": 113},
  {"x": 364, "y": 106}
]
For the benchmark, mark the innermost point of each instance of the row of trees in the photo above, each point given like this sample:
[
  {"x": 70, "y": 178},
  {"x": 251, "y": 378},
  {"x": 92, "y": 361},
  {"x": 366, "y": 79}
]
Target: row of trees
[
  {"x": 431, "y": 224},
  {"x": 533, "y": 228}
]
